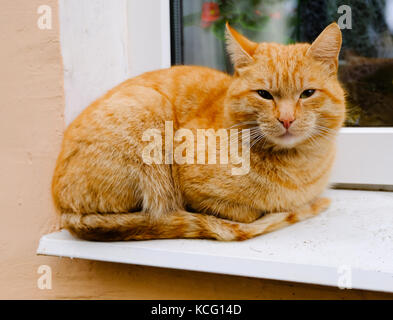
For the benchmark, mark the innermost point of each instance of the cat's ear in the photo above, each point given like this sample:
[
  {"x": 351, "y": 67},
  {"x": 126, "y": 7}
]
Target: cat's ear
[
  {"x": 327, "y": 46},
  {"x": 239, "y": 47}
]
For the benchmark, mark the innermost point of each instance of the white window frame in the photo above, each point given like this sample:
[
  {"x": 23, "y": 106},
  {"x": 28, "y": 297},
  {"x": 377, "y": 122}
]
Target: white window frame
[{"x": 105, "y": 42}]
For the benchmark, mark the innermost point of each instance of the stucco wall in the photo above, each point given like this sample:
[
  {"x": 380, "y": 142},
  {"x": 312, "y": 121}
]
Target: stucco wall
[{"x": 31, "y": 126}]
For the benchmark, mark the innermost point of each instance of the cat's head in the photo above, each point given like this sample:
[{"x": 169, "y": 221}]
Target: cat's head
[{"x": 291, "y": 92}]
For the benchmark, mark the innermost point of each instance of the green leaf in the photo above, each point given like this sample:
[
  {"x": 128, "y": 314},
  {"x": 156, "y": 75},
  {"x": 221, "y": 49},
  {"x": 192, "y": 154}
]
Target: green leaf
[
  {"x": 192, "y": 19},
  {"x": 218, "y": 29},
  {"x": 254, "y": 25}
]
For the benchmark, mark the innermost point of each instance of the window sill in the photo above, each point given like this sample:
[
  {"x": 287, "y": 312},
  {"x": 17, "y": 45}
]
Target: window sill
[{"x": 356, "y": 232}]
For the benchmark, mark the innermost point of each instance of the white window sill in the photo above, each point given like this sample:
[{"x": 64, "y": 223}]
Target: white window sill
[{"x": 356, "y": 232}]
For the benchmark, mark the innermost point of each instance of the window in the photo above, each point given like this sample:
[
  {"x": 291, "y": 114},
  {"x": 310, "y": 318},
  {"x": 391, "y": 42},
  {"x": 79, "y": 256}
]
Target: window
[
  {"x": 366, "y": 60},
  {"x": 128, "y": 37}
]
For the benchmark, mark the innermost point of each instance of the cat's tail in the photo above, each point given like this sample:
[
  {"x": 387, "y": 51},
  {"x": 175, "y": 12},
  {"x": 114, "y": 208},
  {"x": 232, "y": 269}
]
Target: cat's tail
[{"x": 180, "y": 224}]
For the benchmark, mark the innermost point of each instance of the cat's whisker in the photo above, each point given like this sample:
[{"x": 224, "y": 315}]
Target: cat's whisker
[
  {"x": 324, "y": 130},
  {"x": 255, "y": 141},
  {"x": 324, "y": 135},
  {"x": 258, "y": 138},
  {"x": 320, "y": 132},
  {"x": 254, "y": 131},
  {"x": 255, "y": 134},
  {"x": 312, "y": 140},
  {"x": 243, "y": 123},
  {"x": 327, "y": 128}
]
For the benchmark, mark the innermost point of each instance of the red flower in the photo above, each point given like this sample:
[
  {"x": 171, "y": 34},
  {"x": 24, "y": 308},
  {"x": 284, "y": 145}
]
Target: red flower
[{"x": 210, "y": 13}]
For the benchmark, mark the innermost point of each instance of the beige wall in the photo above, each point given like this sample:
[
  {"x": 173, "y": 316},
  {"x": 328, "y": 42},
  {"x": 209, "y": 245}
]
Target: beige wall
[{"x": 31, "y": 125}]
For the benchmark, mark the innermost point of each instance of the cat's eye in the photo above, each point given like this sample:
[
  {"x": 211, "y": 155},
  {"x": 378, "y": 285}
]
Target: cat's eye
[
  {"x": 265, "y": 94},
  {"x": 307, "y": 93}
]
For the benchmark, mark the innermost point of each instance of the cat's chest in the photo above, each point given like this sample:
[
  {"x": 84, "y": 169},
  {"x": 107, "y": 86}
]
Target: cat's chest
[
  {"x": 267, "y": 186},
  {"x": 278, "y": 185},
  {"x": 282, "y": 189}
]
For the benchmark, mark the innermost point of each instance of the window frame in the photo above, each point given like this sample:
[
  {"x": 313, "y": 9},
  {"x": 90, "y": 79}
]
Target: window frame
[{"x": 137, "y": 38}]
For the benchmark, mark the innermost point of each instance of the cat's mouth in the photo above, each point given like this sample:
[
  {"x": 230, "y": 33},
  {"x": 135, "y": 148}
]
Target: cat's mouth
[
  {"x": 286, "y": 135},
  {"x": 287, "y": 139}
]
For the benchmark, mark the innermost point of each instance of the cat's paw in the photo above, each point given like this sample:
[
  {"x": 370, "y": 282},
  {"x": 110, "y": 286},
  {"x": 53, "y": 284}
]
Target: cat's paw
[
  {"x": 313, "y": 208},
  {"x": 320, "y": 204}
]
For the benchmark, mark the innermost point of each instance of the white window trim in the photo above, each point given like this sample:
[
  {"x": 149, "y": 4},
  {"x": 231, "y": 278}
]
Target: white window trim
[
  {"x": 136, "y": 38},
  {"x": 364, "y": 157}
]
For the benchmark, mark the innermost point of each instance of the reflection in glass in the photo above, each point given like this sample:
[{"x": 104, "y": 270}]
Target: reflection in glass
[{"x": 366, "y": 60}]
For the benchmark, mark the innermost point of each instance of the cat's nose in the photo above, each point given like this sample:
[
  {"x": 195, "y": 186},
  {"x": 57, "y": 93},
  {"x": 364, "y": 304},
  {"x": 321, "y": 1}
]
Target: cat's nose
[{"x": 286, "y": 122}]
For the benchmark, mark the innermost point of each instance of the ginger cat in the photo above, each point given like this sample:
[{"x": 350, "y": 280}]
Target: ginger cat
[{"x": 289, "y": 97}]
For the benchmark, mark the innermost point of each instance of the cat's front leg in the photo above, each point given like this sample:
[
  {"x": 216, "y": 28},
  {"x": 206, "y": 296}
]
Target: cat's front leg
[
  {"x": 274, "y": 221},
  {"x": 229, "y": 210}
]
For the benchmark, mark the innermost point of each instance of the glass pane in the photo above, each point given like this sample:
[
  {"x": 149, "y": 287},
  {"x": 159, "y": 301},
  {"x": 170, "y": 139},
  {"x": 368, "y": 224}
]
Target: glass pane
[{"x": 366, "y": 59}]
